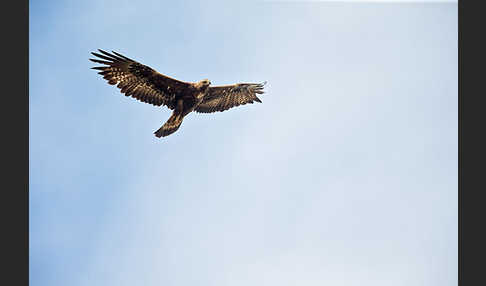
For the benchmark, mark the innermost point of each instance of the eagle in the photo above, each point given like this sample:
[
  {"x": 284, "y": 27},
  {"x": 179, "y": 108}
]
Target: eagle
[{"x": 147, "y": 85}]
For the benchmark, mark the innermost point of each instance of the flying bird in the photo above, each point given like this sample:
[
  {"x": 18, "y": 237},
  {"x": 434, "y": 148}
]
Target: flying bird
[{"x": 147, "y": 85}]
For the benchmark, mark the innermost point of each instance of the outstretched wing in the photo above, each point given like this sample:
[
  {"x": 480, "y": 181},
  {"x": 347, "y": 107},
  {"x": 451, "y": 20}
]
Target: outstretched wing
[
  {"x": 139, "y": 81},
  {"x": 221, "y": 98}
]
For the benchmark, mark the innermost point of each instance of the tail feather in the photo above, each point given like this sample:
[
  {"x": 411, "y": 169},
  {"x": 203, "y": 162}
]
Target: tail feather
[{"x": 170, "y": 126}]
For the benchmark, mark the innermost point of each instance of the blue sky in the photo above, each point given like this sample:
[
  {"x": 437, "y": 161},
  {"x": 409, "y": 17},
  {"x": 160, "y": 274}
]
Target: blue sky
[{"x": 346, "y": 174}]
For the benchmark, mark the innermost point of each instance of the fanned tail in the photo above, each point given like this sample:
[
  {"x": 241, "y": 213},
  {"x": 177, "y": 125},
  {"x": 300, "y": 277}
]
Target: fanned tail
[{"x": 170, "y": 126}]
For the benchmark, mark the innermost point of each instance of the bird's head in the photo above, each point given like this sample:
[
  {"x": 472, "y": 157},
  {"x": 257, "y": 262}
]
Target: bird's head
[{"x": 203, "y": 84}]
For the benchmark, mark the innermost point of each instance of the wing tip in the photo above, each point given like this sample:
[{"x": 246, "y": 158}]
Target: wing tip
[
  {"x": 121, "y": 56},
  {"x": 114, "y": 56}
]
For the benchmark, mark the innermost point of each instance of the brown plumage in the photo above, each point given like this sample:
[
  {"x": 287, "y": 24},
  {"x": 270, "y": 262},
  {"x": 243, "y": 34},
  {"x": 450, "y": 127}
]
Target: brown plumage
[{"x": 147, "y": 85}]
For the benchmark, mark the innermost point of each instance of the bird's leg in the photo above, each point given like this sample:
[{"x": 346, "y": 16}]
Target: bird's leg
[{"x": 180, "y": 108}]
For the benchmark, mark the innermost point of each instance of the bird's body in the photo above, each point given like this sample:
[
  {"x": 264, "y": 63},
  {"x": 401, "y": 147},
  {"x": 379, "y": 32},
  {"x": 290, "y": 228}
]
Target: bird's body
[{"x": 147, "y": 85}]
